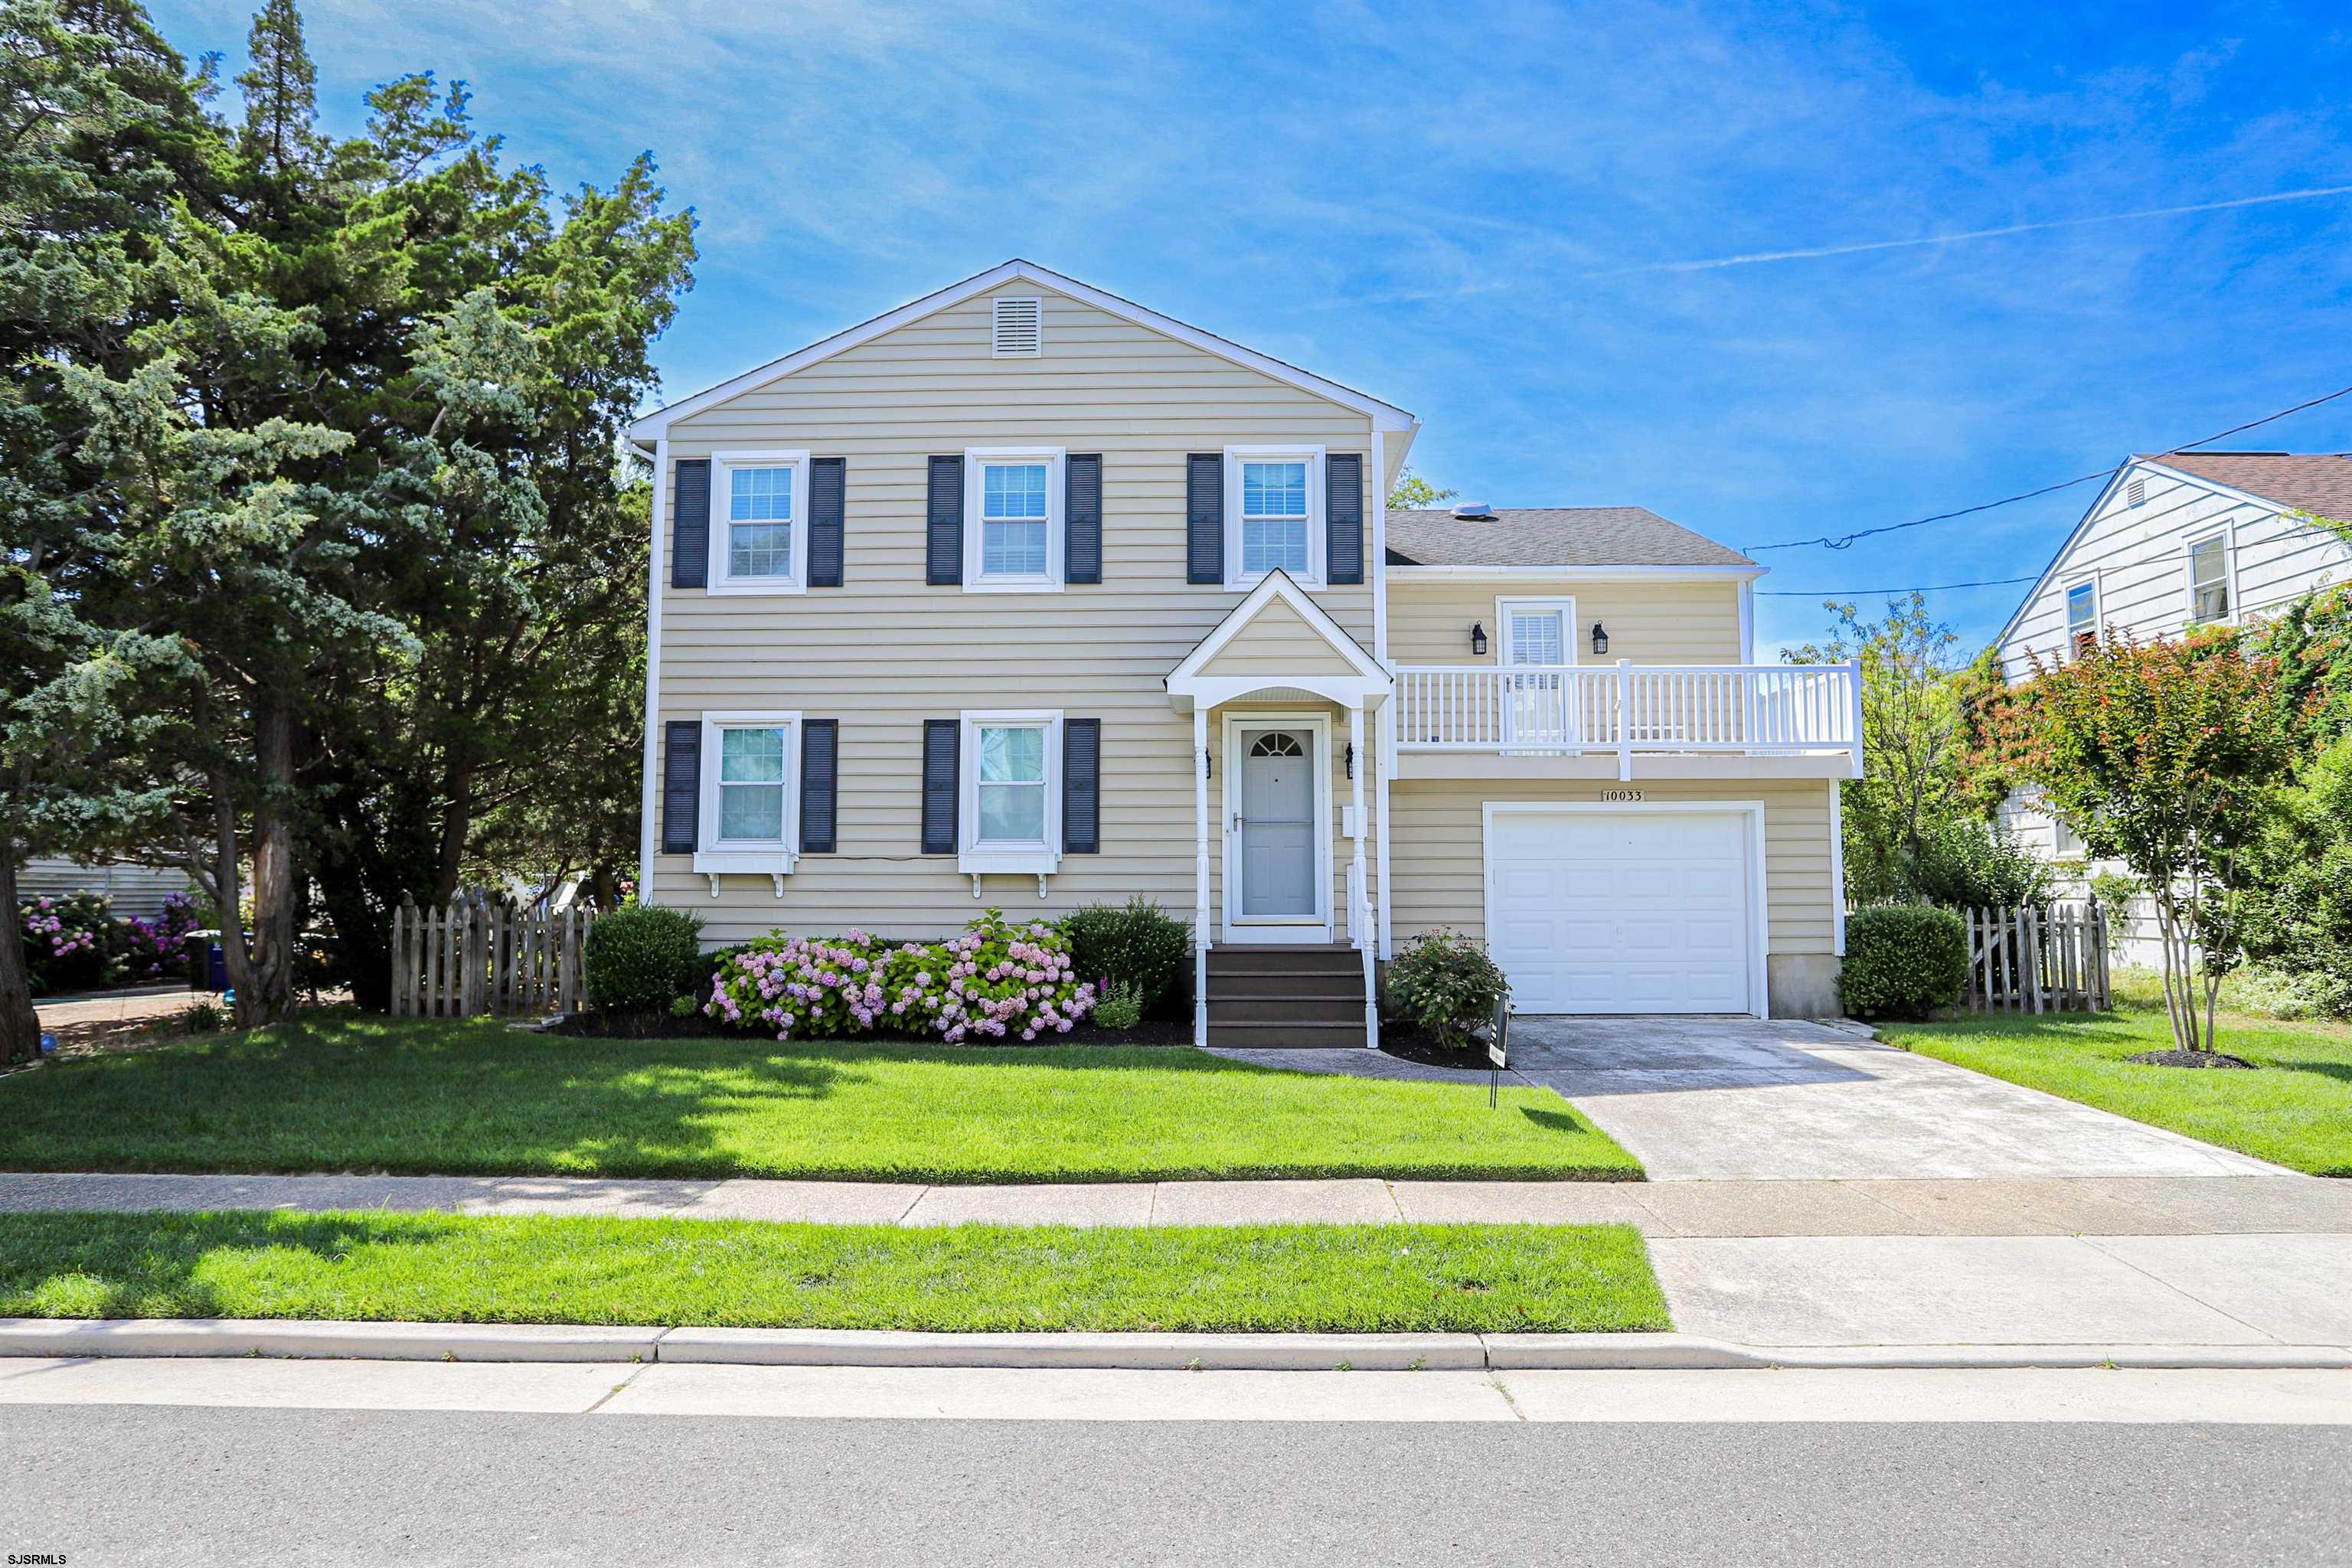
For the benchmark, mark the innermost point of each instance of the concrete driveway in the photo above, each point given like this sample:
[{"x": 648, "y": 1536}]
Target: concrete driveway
[{"x": 1720, "y": 1098}]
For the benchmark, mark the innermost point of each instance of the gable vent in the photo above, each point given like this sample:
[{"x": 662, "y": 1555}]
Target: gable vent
[
  {"x": 2135, "y": 493},
  {"x": 1018, "y": 333},
  {"x": 1474, "y": 511}
]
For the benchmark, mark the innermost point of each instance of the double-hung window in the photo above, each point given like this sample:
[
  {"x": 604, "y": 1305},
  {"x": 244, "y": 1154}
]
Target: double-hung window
[
  {"x": 1012, "y": 519},
  {"x": 760, "y": 506},
  {"x": 2082, "y": 618},
  {"x": 1274, "y": 499},
  {"x": 1012, "y": 792},
  {"x": 2209, "y": 578},
  {"x": 750, "y": 777}
]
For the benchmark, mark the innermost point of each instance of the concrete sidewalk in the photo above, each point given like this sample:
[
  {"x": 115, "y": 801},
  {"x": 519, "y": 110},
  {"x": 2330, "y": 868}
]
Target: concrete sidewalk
[{"x": 2122, "y": 1205}]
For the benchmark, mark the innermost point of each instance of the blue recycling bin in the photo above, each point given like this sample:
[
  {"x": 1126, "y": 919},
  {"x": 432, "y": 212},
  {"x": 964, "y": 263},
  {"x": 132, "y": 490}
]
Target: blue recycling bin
[{"x": 207, "y": 966}]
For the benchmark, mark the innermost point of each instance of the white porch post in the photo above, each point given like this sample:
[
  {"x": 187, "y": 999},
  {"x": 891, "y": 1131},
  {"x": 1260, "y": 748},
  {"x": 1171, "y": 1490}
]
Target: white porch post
[
  {"x": 1201, "y": 874},
  {"x": 1360, "y": 923}
]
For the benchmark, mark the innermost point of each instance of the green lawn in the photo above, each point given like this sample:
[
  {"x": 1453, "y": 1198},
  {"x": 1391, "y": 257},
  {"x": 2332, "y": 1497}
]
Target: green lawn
[
  {"x": 440, "y": 1268},
  {"x": 2295, "y": 1111},
  {"x": 478, "y": 1098}
]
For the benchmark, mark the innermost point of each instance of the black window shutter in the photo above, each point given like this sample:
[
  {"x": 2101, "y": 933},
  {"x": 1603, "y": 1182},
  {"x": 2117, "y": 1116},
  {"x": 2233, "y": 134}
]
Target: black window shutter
[
  {"x": 1343, "y": 517},
  {"x": 689, "y": 525},
  {"x": 943, "y": 528},
  {"x": 681, "y": 786},
  {"x": 1082, "y": 518},
  {"x": 828, "y": 480},
  {"x": 1082, "y": 786},
  {"x": 1204, "y": 518},
  {"x": 820, "y": 762},
  {"x": 940, "y": 737}
]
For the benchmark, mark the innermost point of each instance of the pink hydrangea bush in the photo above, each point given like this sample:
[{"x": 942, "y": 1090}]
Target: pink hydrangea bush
[
  {"x": 68, "y": 941},
  {"x": 1001, "y": 980}
]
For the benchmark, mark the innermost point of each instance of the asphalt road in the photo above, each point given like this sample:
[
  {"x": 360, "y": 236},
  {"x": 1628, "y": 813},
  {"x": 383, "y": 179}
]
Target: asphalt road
[{"x": 120, "y": 1484}]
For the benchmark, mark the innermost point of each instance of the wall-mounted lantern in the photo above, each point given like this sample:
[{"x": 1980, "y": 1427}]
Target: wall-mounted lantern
[
  {"x": 1477, "y": 639},
  {"x": 1599, "y": 638}
]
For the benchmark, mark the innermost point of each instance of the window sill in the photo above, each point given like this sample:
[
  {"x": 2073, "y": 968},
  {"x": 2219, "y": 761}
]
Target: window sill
[
  {"x": 765, "y": 586},
  {"x": 1012, "y": 585},
  {"x": 765, "y": 862},
  {"x": 1037, "y": 862},
  {"x": 1243, "y": 585}
]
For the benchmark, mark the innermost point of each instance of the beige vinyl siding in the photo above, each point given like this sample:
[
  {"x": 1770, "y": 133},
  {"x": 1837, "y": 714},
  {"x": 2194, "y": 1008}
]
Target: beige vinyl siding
[
  {"x": 1694, "y": 622},
  {"x": 885, "y": 652},
  {"x": 1438, "y": 860},
  {"x": 1279, "y": 641}
]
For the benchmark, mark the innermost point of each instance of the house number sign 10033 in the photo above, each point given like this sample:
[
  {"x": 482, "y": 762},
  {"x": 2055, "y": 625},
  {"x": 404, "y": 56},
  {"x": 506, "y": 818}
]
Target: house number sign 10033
[{"x": 1619, "y": 796}]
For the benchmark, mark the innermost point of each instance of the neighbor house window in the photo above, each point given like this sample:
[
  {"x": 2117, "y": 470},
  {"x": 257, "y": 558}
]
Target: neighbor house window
[
  {"x": 2063, "y": 835},
  {"x": 750, "y": 773},
  {"x": 2082, "y": 618},
  {"x": 1273, "y": 510},
  {"x": 758, "y": 502},
  {"x": 1012, "y": 791},
  {"x": 1012, "y": 519},
  {"x": 2208, "y": 578}
]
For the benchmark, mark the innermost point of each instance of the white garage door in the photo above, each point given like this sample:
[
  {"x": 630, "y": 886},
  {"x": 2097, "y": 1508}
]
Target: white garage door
[{"x": 1621, "y": 911}]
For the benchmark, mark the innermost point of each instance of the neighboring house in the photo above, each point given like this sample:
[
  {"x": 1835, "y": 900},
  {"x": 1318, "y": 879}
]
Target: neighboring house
[
  {"x": 1024, "y": 595},
  {"x": 2174, "y": 541},
  {"x": 135, "y": 890}
]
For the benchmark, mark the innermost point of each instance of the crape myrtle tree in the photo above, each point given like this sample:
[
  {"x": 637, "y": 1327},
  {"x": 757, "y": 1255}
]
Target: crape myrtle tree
[{"x": 2167, "y": 756}]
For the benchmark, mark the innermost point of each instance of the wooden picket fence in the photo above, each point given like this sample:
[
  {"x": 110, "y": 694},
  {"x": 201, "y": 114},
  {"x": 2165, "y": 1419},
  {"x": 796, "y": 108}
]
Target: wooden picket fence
[
  {"x": 2049, "y": 958},
  {"x": 479, "y": 957}
]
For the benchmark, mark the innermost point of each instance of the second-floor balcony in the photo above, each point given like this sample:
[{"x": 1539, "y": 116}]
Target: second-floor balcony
[{"x": 1628, "y": 710}]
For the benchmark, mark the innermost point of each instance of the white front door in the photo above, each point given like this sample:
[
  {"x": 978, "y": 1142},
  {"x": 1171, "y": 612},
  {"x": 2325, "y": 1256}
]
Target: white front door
[
  {"x": 1635, "y": 911},
  {"x": 1274, "y": 828}
]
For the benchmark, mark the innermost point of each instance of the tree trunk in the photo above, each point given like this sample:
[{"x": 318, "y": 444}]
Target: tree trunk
[
  {"x": 276, "y": 886},
  {"x": 20, "y": 1026},
  {"x": 457, "y": 822}
]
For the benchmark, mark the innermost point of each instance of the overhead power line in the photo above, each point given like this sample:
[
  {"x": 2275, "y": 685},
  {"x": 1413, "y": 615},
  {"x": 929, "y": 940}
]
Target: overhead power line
[
  {"x": 1841, "y": 542},
  {"x": 1865, "y": 592}
]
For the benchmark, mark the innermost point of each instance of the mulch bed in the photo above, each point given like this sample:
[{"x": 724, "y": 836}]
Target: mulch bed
[
  {"x": 1409, "y": 1044},
  {"x": 665, "y": 1026},
  {"x": 2191, "y": 1059}
]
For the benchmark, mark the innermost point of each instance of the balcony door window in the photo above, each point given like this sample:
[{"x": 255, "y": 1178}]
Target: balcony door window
[{"x": 1537, "y": 635}]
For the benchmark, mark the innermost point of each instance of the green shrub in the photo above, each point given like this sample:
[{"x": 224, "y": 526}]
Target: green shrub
[
  {"x": 1903, "y": 961},
  {"x": 1141, "y": 944},
  {"x": 1446, "y": 983},
  {"x": 1121, "y": 1006},
  {"x": 204, "y": 1017},
  {"x": 641, "y": 958},
  {"x": 2287, "y": 994},
  {"x": 1973, "y": 864}
]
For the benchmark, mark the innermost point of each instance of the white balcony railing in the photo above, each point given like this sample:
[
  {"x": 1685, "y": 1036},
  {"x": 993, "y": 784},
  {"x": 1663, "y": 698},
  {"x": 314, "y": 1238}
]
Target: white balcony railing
[{"x": 1631, "y": 710}]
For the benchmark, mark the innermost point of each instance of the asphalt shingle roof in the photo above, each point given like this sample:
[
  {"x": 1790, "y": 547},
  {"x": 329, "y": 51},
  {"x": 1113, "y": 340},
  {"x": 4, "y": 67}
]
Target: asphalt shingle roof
[
  {"x": 2305, "y": 481},
  {"x": 1552, "y": 536}
]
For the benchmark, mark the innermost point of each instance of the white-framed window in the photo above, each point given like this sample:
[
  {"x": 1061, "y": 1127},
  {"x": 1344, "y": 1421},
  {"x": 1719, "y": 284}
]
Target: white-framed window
[
  {"x": 750, "y": 818},
  {"x": 1274, "y": 514},
  {"x": 2209, "y": 578},
  {"x": 2082, "y": 616},
  {"x": 2063, "y": 836},
  {"x": 1012, "y": 519},
  {"x": 1011, "y": 810},
  {"x": 759, "y": 522},
  {"x": 1535, "y": 631}
]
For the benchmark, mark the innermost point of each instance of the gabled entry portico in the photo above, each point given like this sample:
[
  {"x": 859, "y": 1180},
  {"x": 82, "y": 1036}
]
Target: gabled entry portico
[{"x": 1291, "y": 690}]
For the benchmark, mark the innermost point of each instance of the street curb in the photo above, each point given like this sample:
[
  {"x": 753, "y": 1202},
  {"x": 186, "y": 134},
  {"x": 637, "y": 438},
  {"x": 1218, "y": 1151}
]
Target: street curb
[{"x": 235, "y": 1337}]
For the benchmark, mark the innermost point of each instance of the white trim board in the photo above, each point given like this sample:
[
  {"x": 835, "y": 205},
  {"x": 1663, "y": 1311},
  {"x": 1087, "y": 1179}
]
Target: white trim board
[
  {"x": 1234, "y": 929},
  {"x": 1760, "y": 922},
  {"x": 1384, "y": 416}
]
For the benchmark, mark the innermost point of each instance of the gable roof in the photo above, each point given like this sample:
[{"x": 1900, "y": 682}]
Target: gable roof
[
  {"x": 1275, "y": 585},
  {"x": 1384, "y": 415},
  {"x": 2291, "y": 482},
  {"x": 2298, "y": 481},
  {"x": 1552, "y": 536}
]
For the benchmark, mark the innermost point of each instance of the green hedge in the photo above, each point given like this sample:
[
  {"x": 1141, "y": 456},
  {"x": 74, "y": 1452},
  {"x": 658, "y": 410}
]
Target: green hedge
[
  {"x": 642, "y": 959},
  {"x": 1903, "y": 961}
]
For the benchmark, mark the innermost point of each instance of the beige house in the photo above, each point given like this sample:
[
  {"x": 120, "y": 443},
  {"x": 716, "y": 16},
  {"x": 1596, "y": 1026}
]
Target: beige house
[{"x": 1026, "y": 595}]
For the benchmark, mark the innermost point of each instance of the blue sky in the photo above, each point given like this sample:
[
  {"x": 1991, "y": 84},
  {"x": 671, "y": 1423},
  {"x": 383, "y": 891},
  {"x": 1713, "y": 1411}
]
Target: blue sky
[{"x": 1485, "y": 213}]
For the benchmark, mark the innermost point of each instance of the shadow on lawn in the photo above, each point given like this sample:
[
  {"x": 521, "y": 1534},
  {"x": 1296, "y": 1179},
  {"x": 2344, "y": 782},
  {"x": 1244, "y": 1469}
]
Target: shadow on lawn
[{"x": 152, "y": 1266}]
